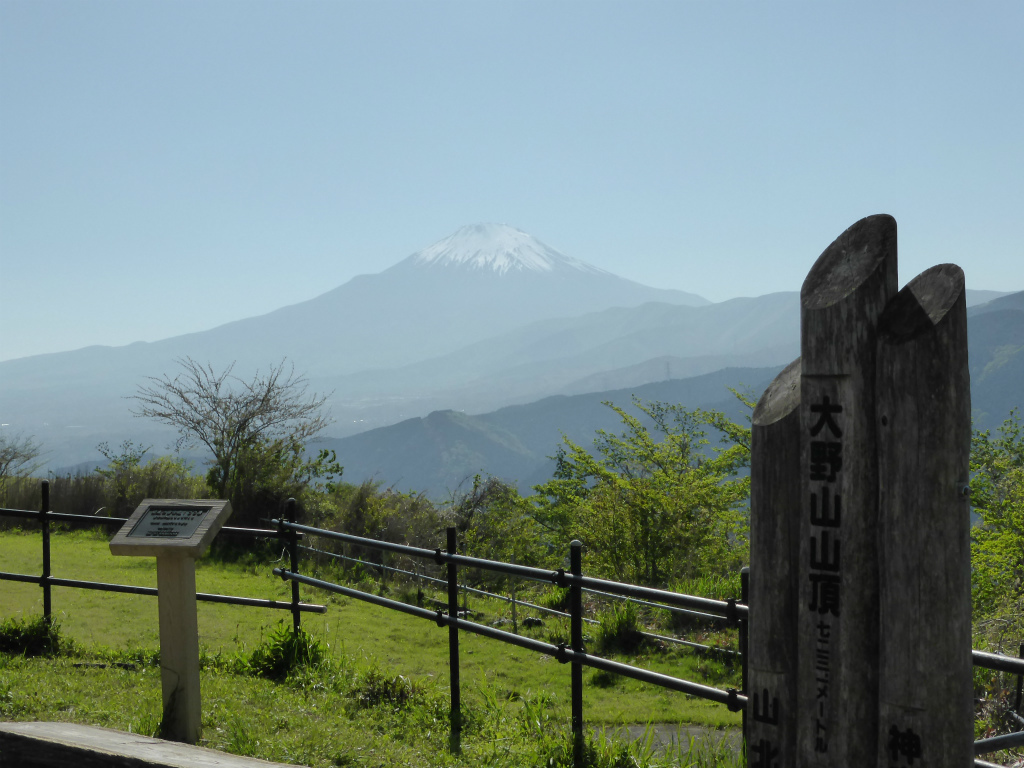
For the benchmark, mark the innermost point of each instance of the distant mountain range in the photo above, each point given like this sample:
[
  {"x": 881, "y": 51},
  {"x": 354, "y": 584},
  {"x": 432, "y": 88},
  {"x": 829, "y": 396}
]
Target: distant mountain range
[
  {"x": 600, "y": 350},
  {"x": 479, "y": 282},
  {"x": 440, "y": 453},
  {"x": 485, "y": 319},
  {"x": 995, "y": 343}
]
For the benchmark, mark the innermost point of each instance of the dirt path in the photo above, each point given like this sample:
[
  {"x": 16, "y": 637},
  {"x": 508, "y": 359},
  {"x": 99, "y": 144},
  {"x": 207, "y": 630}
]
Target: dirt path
[{"x": 665, "y": 735}]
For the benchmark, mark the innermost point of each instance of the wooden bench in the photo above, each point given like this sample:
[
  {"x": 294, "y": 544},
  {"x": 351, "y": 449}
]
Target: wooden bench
[{"x": 55, "y": 745}]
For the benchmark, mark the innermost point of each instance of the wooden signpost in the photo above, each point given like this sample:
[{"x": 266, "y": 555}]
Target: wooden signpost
[
  {"x": 775, "y": 493},
  {"x": 176, "y": 532},
  {"x": 837, "y": 611},
  {"x": 926, "y": 712},
  {"x": 860, "y": 557}
]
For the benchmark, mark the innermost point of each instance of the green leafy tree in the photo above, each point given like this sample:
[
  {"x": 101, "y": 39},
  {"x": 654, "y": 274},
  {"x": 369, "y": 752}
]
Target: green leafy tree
[
  {"x": 373, "y": 512},
  {"x": 997, "y": 494},
  {"x": 127, "y": 481},
  {"x": 497, "y": 523},
  {"x": 122, "y": 475},
  {"x": 657, "y": 502},
  {"x": 267, "y": 474}
]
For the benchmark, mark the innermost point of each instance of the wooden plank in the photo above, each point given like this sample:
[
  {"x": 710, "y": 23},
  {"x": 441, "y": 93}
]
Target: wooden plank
[
  {"x": 775, "y": 494},
  {"x": 924, "y": 428},
  {"x": 56, "y": 745},
  {"x": 841, "y": 300}
]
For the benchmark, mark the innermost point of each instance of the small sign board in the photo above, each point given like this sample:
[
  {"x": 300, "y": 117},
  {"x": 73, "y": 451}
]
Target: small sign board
[
  {"x": 160, "y": 522},
  {"x": 177, "y": 527}
]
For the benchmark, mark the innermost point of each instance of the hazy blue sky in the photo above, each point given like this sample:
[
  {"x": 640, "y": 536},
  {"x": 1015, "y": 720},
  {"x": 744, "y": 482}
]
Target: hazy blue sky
[{"x": 167, "y": 167}]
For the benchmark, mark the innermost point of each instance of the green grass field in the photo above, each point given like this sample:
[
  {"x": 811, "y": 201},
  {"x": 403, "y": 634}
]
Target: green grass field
[{"x": 306, "y": 721}]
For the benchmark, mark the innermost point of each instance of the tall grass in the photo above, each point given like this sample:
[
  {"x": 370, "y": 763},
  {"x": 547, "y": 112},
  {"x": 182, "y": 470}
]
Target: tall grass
[
  {"x": 620, "y": 630},
  {"x": 112, "y": 494}
]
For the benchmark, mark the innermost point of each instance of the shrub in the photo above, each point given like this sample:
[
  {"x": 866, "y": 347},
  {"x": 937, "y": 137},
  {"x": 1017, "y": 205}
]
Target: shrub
[
  {"x": 285, "y": 651},
  {"x": 32, "y": 637},
  {"x": 656, "y": 503},
  {"x": 374, "y": 687},
  {"x": 603, "y": 679}
]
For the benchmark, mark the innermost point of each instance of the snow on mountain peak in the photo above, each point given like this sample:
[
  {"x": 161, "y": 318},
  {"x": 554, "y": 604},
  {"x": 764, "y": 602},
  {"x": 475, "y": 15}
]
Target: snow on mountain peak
[{"x": 497, "y": 247}]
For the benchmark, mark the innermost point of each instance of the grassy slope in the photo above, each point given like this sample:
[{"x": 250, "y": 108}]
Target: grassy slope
[{"x": 372, "y": 636}]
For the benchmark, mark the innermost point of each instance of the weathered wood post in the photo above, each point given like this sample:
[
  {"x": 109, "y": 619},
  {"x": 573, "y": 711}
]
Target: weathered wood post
[
  {"x": 924, "y": 440},
  {"x": 775, "y": 503},
  {"x": 841, "y": 300},
  {"x": 866, "y": 439}
]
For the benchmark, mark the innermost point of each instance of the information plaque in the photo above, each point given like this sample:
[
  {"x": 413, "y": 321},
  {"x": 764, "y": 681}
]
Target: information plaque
[
  {"x": 160, "y": 527},
  {"x": 168, "y": 522}
]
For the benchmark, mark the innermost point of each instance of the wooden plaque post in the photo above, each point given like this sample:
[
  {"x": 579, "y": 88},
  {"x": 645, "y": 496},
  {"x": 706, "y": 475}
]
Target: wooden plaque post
[
  {"x": 860, "y": 606},
  {"x": 775, "y": 494},
  {"x": 837, "y": 611},
  {"x": 176, "y": 532},
  {"x": 924, "y": 441}
]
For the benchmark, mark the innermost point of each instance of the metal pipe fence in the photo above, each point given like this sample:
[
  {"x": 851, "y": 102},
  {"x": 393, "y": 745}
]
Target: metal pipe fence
[
  {"x": 290, "y": 533},
  {"x": 735, "y": 612},
  {"x": 1010, "y": 665},
  {"x": 572, "y": 653},
  {"x": 728, "y": 609},
  {"x": 47, "y": 581},
  {"x": 514, "y": 601}
]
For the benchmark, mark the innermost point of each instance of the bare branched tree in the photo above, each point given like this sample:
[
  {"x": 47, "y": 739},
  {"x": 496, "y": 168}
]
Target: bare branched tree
[
  {"x": 228, "y": 415},
  {"x": 19, "y": 456}
]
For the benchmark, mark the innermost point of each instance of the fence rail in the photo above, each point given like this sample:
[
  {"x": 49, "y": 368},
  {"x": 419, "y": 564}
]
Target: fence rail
[
  {"x": 514, "y": 602},
  {"x": 998, "y": 662},
  {"x": 731, "y": 610},
  {"x": 572, "y": 653},
  {"x": 727, "y": 609},
  {"x": 47, "y": 580},
  {"x": 131, "y": 589}
]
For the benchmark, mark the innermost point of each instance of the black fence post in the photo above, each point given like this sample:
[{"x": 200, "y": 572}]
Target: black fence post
[
  {"x": 455, "y": 741},
  {"x": 293, "y": 550},
  {"x": 1020, "y": 683},
  {"x": 576, "y": 639},
  {"x": 744, "y": 638},
  {"x": 515, "y": 619},
  {"x": 44, "y": 522}
]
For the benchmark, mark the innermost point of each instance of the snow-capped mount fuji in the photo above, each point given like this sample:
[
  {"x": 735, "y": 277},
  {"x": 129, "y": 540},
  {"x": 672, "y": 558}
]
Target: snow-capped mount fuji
[
  {"x": 498, "y": 248},
  {"x": 477, "y": 283}
]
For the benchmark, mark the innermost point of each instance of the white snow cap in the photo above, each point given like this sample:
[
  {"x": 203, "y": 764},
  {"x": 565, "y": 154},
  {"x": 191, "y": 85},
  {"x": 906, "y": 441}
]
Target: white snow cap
[{"x": 497, "y": 247}]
